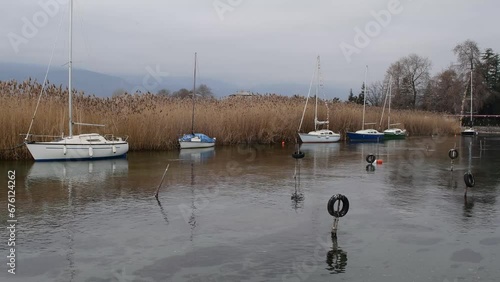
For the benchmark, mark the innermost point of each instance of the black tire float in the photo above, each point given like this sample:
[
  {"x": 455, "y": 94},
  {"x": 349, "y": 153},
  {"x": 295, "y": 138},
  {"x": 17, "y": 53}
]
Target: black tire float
[
  {"x": 453, "y": 154},
  {"x": 469, "y": 179},
  {"x": 331, "y": 205},
  {"x": 298, "y": 155},
  {"x": 370, "y": 158}
]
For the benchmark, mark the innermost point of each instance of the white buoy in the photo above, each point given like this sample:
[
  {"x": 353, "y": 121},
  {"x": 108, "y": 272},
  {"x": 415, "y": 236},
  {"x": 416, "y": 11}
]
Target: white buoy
[
  {"x": 65, "y": 150},
  {"x": 114, "y": 149},
  {"x": 91, "y": 152}
]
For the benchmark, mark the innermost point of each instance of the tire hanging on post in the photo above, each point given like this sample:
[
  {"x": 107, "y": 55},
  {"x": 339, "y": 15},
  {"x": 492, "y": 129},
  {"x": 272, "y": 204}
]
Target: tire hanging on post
[
  {"x": 331, "y": 205},
  {"x": 370, "y": 158},
  {"x": 469, "y": 179},
  {"x": 453, "y": 154}
]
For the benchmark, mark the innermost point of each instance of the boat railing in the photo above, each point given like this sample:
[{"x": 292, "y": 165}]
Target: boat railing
[
  {"x": 392, "y": 124},
  {"x": 30, "y": 138},
  {"x": 112, "y": 137}
]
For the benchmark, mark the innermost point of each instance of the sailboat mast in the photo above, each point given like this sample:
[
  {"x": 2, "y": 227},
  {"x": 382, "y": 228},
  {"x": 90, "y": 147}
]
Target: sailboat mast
[
  {"x": 316, "y": 106},
  {"x": 364, "y": 100},
  {"x": 471, "y": 71},
  {"x": 70, "y": 64},
  {"x": 390, "y": 96},
  {"x": 194, "y": 94}
]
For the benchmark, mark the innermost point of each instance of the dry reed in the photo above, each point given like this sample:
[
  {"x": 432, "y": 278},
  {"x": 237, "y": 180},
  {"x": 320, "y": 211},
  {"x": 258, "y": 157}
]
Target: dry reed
[{"x": 155, "y": 122}]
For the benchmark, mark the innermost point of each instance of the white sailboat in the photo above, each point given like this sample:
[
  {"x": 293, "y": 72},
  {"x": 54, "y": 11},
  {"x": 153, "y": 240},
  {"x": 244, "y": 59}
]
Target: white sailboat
[
  {"x": 75, "y": 147},
  {"x": 318, "y": 135},
  {"x": 195, "y": 140},
  {"x": 470, "y": 131}
]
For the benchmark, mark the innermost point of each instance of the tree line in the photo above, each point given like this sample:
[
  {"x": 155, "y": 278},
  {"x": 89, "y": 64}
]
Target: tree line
[
  {"x": 202, "y": 91},
  {"x": 413, "y": 87}
]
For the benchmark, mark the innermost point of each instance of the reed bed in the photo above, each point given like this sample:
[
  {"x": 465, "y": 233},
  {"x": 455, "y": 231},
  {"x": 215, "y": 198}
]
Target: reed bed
[{"x": 155, "y": 122}]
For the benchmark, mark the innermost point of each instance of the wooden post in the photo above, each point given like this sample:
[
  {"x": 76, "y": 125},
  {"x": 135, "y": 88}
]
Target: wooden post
[{"x": 163, "y": 177}]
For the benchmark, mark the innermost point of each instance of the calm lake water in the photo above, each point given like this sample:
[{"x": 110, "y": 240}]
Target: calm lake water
[{"x": 227, "y": 215}]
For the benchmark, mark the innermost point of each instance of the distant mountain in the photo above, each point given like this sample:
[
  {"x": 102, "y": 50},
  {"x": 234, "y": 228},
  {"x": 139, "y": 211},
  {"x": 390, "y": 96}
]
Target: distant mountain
[
  {"x": 90, "y": 82},
  {"x": 103, "y": 85}
]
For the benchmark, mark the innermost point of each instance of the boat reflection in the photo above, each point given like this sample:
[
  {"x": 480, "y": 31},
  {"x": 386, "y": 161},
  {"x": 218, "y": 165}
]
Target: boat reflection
[
  {"x": 197, "y": 155},
  {"x": 80, "y": 171},
  {"x": 323, "y": 155},
  {"x": 319, "y": 149}
]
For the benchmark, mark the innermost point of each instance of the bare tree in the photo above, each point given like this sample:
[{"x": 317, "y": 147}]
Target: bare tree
[
  {"x": 467, "y": 53},
  {"x": 410, "y": 77},
  {"x": 182, "y": 93},
  {"x": 443, "y": 92},
  {"x": 204, "y": 91},
  {"x": 164, "y": 92},
  {"x": 376, "y": 93}
]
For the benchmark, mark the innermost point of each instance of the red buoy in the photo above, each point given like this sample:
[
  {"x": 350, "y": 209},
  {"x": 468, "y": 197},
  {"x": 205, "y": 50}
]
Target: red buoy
[{"x": 379, "y": 161}]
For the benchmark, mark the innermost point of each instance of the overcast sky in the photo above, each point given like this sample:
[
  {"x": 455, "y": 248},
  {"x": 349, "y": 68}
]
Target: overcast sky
[{"x": 247, "y": 41}]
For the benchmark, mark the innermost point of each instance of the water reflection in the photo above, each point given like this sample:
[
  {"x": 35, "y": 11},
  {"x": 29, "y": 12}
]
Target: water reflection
[
  {"x": 468, "y": 205},
  {"x": 370, "y": 168},
  {"x": 414, "y": 174},
  {"x": 411, "y": 196},
  {"x": 81, "y": 171},
  {"x": 194, "y": 157},
  {"x": 336, "y": 258},
  {"x": 298, "y": 195},
  {"x": 163, "y": 212},
  {"x": 323, "y": 155},
  {"x": 197, "y": 155}
]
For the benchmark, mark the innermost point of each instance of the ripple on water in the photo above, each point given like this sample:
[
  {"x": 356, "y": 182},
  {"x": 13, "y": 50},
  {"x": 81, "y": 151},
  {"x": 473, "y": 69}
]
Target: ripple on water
[
  {"x": 466, "y": 255},
  {"x": 490, "y": 241},
  {"x": 418, "y": 240}
]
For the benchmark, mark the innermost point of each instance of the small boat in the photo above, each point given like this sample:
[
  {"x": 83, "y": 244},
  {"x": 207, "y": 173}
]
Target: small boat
[
  {"x": 195, "y": 140},
  {"x": 324, "y": 135},
  {"x": 392, "y": 133},
  {"x": 75, "y": 147},
  {"x": 365, "y": 135},
  {"x": 470, "y": 131}
]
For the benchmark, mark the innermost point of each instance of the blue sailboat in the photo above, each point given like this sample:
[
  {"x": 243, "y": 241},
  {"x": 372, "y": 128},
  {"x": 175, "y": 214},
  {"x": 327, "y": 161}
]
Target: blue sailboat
[
  {"x": 365, "y": 135},
  {"x": 195, "y": 140}
]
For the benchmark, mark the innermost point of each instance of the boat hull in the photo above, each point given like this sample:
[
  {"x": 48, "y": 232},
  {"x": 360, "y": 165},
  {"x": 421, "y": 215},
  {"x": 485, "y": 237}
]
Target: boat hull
[
  {"x": 55, "y": 151},
  {"x": 389, "y": 136},
  {"x": 194, "y": 144},
  {"x": 468, "y": 132},
  {"x": 394, "y": 133},
  {"x": 363, "y": 137},
  {"x": 311, "y": 138}
]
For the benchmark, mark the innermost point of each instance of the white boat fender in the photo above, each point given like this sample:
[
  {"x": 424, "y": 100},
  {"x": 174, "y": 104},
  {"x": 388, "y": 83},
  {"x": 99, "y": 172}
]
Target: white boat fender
[
  {"x": 453, "y": 154},
  {"x": 65, "y": 150},
  {"x": 370, "y": 158},
  {"x": 469, "y": 179},
  {"x": 114, "y": 149},
  {"x": 91, "y": 152},
  {"x": 298, "y": 155},
  {"x": 331, "y": 205}
]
